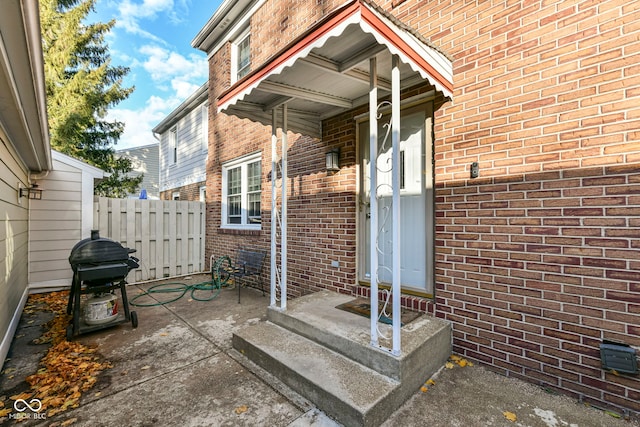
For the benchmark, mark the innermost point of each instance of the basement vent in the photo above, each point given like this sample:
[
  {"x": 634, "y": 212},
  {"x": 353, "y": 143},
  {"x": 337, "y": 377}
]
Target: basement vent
[{"x": 619, "y": 357}]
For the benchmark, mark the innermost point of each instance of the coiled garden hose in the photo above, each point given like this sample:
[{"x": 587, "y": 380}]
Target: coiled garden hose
[{"x": 220, "y": 274}]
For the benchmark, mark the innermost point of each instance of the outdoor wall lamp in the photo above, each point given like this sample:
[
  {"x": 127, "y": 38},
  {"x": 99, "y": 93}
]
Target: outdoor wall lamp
[
  {"x": 333, "y": 160},
  {"x": 32, "y": 192}
]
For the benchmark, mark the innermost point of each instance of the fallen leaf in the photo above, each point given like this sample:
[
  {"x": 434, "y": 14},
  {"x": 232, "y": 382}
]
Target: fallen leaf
[
  {"x": 68, "y": 422},
  {"x": 144, "y": 368},
  {"x": 241, "y": 409},
  {"x": 68, "y": 368},
  {"x": 424, "y": 389},
  {"x": 430, "y": 382},
  {"x": 24, "y": 396},
  {"x": 462, "y": 363},
  {"x": 449, "y": 365},
  {"x": 5, "y": 412},
  {"x": 614, "y": 372},
  {"x": 454, "y": 358},
  {"x": 164, "y": 334},
  {"x": 510, "y": 416}
]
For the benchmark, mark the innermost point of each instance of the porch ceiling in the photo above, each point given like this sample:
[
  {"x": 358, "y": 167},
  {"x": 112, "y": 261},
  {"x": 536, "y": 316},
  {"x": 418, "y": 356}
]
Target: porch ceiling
[{"x": 326, "y": 70}]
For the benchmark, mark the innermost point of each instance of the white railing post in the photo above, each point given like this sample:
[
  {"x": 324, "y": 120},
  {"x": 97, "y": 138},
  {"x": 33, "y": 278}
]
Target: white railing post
[
  {"x": 395, "y": 184},
  {"x": 274, "y": 208},
  {"x": 373, "y": 200},
  {"x": 283, "y": 230}
]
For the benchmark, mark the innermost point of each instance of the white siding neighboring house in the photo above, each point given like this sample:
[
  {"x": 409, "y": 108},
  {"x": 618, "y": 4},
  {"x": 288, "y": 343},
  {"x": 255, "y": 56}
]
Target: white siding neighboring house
[
  {"x": 145, "y": 160},
  {"x": 183, "y": 147},
  {"x": 24, "y": 151},
  {"x": 60, "y": 219}
]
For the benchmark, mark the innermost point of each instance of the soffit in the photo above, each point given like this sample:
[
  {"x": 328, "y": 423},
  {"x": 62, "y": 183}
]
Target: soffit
[{"x": 326, "y": 70}]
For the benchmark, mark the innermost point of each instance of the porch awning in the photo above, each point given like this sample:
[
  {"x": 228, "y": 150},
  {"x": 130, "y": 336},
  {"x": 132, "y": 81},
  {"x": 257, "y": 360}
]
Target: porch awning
[{"x": 326, "y": 70}]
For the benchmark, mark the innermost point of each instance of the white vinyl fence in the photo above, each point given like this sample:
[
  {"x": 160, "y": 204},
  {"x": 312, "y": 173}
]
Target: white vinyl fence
[{"x": 168, "y": 235}]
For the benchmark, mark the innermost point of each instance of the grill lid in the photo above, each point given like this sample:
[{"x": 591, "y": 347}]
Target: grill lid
[{"x": 97, "y": 250}]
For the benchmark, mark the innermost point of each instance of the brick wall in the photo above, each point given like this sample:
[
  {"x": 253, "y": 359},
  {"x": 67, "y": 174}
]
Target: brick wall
[
  {"x": 189, "y": 192},
  {"x": 538, "y": 259},
  {"x": 247, "y": 138}
]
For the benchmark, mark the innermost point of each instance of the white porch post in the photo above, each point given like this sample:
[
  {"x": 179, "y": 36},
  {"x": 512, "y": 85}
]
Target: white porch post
[
  {"x": 274, "y": 208},
  {"x": 373, "y": 199},
  {"x": 279, "y": 217},
  {"x": 283, "y": 230},
  {"x": 395, "y": 184}
]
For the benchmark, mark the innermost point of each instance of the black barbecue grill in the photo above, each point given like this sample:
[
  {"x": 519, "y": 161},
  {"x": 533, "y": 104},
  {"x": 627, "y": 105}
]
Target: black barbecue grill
[{"x": 99, "y": 266}]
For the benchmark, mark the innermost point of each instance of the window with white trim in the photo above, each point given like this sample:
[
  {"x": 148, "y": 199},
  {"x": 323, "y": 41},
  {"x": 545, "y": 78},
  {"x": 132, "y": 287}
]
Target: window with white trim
[
  {"x": 241, "y": 193},
  {"x": 241, "y": 56},
  {"x": 173, "y": 145},
  {"x": 204, "y": 111}
]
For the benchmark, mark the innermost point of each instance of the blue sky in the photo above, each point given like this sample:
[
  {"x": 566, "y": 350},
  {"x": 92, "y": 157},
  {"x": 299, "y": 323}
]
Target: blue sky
[{"x": 153, "y": 38}]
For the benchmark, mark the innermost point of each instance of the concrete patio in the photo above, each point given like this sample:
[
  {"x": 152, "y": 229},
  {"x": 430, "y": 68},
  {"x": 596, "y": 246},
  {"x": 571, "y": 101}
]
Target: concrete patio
[{"x": 179, "y": 368}]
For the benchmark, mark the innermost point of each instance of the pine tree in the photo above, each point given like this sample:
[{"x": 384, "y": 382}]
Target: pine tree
[{"x": 81, "y": 85}]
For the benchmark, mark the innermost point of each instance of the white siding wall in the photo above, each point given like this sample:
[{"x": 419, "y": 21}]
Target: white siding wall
[
  {"x": 14, "y": 235},
  {"x": 144, "y": 160},
  {"x": 56, "y": 224},
  {"x": 192, "y": 152},
  {"x": 58, "y": 221}
]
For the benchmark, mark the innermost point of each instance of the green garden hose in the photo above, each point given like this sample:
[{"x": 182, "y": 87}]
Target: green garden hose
[{"x": 219, "y": 278}]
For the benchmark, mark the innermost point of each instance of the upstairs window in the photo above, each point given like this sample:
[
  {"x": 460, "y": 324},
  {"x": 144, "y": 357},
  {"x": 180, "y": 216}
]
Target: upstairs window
[
  {"x": 204, "y": 111},
  {"x": 241, "y": 193},
  {"x": 242, "y": 55},
  {"x": 173, "y": 145}
]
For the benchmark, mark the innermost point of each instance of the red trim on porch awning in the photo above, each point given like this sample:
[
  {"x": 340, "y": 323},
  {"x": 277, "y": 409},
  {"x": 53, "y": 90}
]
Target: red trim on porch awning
[
  {"x": 393, "y": 37},
  {"x": 431, "y": 64},
  {"x": 298, "y": 45}
]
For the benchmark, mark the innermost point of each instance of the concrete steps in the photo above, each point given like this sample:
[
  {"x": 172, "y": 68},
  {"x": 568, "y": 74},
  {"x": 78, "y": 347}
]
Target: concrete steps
[{"x": 325, "y": 355}]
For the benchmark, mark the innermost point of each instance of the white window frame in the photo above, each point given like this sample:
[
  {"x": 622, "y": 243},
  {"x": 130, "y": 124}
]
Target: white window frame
[
  {"x": 204, "y": 111},
  {"x": 175, "y": 195},
  {"x": 173, "y": 146},
  {"x": 235, "y": 54},
  {"x": 202, "y": 194},
  {"x": 241, "y": 162}
]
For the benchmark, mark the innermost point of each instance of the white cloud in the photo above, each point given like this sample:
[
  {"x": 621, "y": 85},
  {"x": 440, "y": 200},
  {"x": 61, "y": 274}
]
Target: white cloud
[
  {"x": 163, "y": 76},
  {"x": 131, "y": 13},
  {"x": 182, "y": 74},
  {"x": 172, "y": 73},
  {"x": 164, "y": 64},
  {"x": 184, "y": 89},
  {"x": 138, "y": 123}
]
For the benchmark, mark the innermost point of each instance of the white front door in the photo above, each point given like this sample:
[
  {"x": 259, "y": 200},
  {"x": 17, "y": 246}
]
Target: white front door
[{"x": 416, "y": 202}]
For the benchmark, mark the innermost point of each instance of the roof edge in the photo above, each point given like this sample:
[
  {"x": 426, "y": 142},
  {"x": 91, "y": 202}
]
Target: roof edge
[
  {"x": 84, "y": 166},
  {"x": 197, "y": 97}
]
